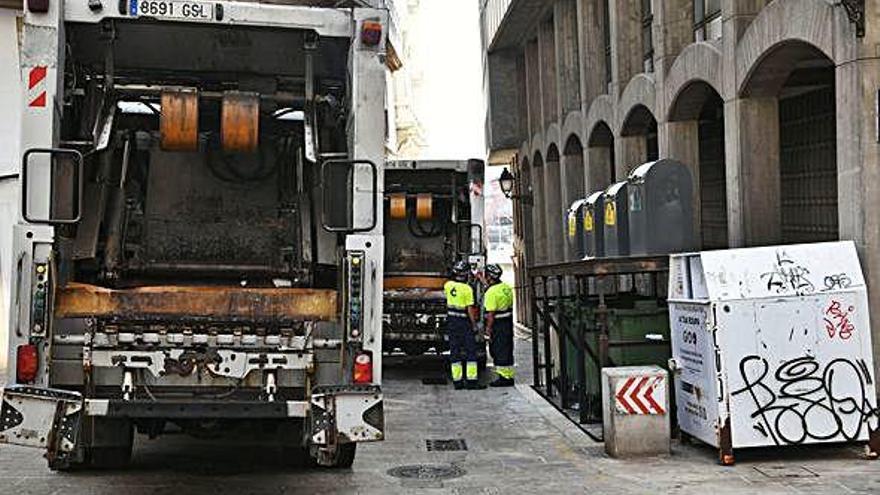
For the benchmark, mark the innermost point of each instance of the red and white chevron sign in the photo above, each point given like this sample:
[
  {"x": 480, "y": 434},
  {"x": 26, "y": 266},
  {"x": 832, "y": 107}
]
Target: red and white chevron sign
[
  {"x": 641, "y": 395},
  {"x": 37, "y": 86}
]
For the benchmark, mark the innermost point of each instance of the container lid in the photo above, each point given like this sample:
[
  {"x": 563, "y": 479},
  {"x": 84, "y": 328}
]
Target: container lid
[
  {"x": 638, "y": 175},
  {"x": 594, "y": 199},
  {"x": 781, "y": 271},
  {"x": 614, "y": 189},
  {"x": 576, "y": 205}
]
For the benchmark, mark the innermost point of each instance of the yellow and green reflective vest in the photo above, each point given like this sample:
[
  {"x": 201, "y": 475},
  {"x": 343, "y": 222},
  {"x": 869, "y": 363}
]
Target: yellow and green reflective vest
[
  {"x": 499, "y": 298},
  {"x": 459, "y": 295}
]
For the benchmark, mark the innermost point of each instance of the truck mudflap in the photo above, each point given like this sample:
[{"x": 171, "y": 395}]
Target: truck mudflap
[
  {"x": 346, "y": 414},
  {"x": 41, "y": 417}
]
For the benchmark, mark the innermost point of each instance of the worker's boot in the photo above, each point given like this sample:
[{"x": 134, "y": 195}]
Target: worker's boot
[
  {"x": 475, "y": 385},
  {"x": 458, "y": 385},
  {"x": 502, "y": 382}
]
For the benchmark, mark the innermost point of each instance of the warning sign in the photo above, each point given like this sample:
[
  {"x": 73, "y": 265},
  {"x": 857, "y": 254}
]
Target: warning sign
[
  {"x": 641, "y": 395},
  {"x": 610, "y": 214},
  {"x": 588, "y": 222}
]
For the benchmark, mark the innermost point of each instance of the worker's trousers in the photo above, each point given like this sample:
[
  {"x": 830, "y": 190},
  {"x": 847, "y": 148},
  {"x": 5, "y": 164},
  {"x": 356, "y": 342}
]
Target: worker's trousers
[
  {"x": 501, "y": 347},
  {"x": 462, "y": 348}
]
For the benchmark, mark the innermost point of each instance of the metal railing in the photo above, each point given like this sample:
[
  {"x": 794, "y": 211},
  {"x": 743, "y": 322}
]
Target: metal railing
[{"x": 589, "y": 284}]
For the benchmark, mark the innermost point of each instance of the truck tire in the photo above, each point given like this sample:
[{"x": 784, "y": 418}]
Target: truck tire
[
  {"x": 95, "y": 458},
  {"x": 108, "y": 443},
  {"x": 110, "y": 457},
  {"x": 344, "y": 458}
]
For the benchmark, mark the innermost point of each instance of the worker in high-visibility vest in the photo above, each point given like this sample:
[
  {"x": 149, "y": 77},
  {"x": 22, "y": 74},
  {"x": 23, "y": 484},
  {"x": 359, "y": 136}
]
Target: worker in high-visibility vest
[
  {"x": 498, "y": 306},
  {"x": 461, "y": 318}
]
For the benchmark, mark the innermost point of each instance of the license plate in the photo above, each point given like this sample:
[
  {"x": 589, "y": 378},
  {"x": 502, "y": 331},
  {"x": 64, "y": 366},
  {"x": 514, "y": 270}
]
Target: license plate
[{"x": 170, "y": 9}]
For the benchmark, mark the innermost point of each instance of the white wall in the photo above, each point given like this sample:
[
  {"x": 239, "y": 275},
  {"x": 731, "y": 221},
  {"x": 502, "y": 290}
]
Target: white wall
[{"x": 10, "y": 109}]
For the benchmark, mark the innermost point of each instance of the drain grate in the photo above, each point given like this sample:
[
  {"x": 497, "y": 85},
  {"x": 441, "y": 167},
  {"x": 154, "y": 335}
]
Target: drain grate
[
  {"x": 434, "y": 380},
  {"x": 451, "y": 445},
  {"x": 427, "y": 472},
  {"x": 782, "y": 471}
]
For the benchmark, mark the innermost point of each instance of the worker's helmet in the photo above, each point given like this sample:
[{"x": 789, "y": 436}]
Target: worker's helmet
[
  {"x": 494, "y": 271},
  {"x": 460, "y": 269}
]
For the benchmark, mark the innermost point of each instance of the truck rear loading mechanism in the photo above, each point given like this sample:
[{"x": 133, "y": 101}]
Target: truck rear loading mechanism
[
  {"x": 433, "y": 217},
  {"x": 200, "y": 241}
]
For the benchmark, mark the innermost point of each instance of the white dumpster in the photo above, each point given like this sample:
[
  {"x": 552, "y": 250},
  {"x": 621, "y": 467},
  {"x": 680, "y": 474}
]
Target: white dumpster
[{"x": 771, "y": 346}]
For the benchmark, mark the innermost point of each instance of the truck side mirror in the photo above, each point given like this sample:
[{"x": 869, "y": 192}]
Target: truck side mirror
[
  {"x": 349, "y": 200},
  {"x": 469, "y": 238},
  {"x": 51, "y": 186}
]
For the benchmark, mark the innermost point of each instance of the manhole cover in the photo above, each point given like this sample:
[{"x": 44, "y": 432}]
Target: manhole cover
[
  {"x": 434, "y": 380},
  {"x": 782, "y": 471},
  {"x": 427, "y": 472},
  {"x": 455, "y": 444}
]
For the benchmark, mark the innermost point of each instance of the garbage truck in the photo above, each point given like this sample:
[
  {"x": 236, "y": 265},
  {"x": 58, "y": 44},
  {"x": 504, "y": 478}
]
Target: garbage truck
[
  {"x": 200, "y": 240},
  {"x": 434, "y": 216}
]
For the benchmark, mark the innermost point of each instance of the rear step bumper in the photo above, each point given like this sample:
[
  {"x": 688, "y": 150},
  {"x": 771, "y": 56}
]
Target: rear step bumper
[
  {"x": 197, "y": 410},
  {"x": 50, "y": 419}
]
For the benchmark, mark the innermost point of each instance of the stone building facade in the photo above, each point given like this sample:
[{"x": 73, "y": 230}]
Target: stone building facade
[{"x": 772, "y": 104}]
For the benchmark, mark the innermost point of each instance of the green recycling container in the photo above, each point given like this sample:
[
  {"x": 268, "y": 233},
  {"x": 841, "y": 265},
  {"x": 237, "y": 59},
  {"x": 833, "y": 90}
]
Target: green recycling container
[{"x": 644, "y": 321}]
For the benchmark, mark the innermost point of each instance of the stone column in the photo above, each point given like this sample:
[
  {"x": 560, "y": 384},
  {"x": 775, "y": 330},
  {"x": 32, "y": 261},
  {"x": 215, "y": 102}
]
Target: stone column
[
  {"x": 631, "y": 151},
  {"x": 592, "y": 65},
  {"x": 553, "y": 211},
  {"x": 572, "y": 189},
  {"x": 538, "y": 214},
  {"x": 681, "y": 141},
  {"x": 626, "y": 42},
  {"x": 753, "y": 181},
  {"x": 598, "y": 168}
]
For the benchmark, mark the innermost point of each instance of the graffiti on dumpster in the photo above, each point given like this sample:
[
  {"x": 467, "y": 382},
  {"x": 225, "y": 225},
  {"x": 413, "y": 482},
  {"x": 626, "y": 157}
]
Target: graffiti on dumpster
[
  {"x": 838, "y": 320},
  {"x": 804, "y": 400},
  {"x": 837, "y": 281},
  {"x": 788, "y": 276}
]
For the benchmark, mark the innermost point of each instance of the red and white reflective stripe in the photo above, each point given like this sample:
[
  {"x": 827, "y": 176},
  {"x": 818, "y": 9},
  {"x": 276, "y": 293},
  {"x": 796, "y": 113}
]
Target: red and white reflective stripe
[
  {"x": 640, "y": 394},
  {"x": 37, "y": 87}
]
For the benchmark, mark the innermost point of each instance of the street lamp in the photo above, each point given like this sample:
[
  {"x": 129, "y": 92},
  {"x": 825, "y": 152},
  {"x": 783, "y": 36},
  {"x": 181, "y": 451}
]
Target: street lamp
[{"x": 506, "y": 182}]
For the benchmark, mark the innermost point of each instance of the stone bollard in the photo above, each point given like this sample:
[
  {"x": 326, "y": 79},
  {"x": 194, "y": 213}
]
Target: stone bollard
[{"x": 635, "y": 406}]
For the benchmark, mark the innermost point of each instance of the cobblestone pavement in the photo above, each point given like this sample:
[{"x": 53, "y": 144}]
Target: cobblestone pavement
[{"x": 515, "y": 443}]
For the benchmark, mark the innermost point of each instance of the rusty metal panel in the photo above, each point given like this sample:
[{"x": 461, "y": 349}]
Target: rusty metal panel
[
  {"x": 240, "y": 222},
  {"x": 179, "y": 122},
  {"x": 414, "y": 282},
  {"x": 222, "y": 303},
  {"x": 808, "y": 167},
  {"x": 240, "y": 125}
]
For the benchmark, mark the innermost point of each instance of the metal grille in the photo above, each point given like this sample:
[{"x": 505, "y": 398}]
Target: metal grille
[
  {"x": 784, "y": 471},
  {"x": 427, "y": 472},
  {"x": 808, "y": 167},
  {"x": 713, "y": 184},
  {"x": 451, "y": 445}
]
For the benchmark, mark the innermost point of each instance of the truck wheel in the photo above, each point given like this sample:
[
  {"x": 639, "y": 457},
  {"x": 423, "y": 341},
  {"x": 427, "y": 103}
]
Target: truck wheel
[
  {"x": 110, "y": 457},
  {"x": 344, "y": 456},
  {"x": 296, "y": 457},
  {"x": 109, "y": 442}
]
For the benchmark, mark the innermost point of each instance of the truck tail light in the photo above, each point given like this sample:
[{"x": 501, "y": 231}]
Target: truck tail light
[
  {"x": 371, "y": 33},
  {"x": 363, "y": 368},
  {"x": 26, "y": 363}
]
